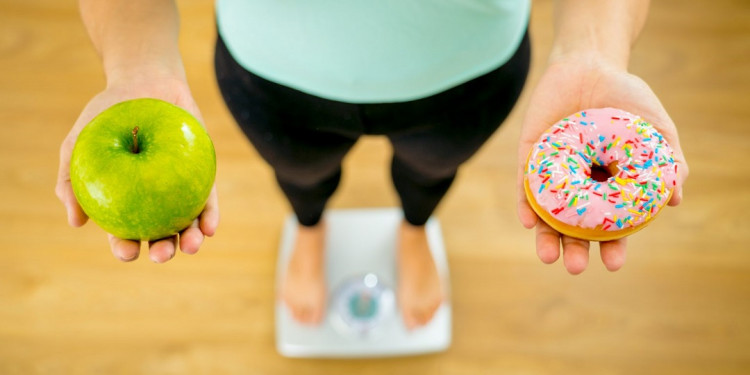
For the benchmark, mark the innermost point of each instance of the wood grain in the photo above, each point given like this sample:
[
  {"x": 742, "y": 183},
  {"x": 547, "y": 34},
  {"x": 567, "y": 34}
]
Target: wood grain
[{"x": 680, "y": 305}]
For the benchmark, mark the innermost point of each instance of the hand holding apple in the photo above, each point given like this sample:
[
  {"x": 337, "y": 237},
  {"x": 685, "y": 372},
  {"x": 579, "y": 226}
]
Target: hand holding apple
[
  {"x": 191, "y": 238},
  {"x": 143, "y": 169}
]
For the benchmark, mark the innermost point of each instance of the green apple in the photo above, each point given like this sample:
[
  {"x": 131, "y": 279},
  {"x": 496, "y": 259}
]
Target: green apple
[{"x": 143, "y": 169}]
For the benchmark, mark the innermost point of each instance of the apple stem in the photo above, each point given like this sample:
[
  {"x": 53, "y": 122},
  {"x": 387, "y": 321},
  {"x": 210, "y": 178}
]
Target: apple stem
[{"x": 135, "y": 140}]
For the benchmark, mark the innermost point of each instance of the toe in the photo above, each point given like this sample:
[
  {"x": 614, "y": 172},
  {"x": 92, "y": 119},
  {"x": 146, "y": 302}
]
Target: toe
[{"x": 409, "y": 320}]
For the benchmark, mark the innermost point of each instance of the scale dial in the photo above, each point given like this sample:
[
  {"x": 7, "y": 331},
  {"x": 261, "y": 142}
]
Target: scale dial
[{"x": 360, "y": 304}]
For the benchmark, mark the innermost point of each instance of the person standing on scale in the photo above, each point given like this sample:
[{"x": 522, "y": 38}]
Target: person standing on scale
[{"x": 305, "y": 79}]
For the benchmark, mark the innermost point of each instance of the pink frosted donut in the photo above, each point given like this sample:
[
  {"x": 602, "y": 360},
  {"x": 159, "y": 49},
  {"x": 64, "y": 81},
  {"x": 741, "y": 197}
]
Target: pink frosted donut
[{"x": 600, "y": 174}]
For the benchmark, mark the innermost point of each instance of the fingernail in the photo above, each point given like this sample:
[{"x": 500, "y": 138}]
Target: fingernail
[{"x": 132, "y": 258}]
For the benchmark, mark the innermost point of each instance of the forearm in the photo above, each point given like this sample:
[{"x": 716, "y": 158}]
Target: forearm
[
  {"x": 604, "y": 29},
  {"x": 134, "y": 37}
]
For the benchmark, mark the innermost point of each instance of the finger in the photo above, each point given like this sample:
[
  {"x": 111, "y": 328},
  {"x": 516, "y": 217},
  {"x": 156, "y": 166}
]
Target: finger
[
  {"x": 676, "y": 198},
  {"x": 191, "y": 238},
  {"x": 526, "y": 215},
  {"x": 162, "y": 250},
  {"x": 64, "y": 190},
  {"x": 682, "y": 174},
  {"x": 75, "y": 214},
  {"x": 575, "y": 254},
  {"x": 209, "y": 219},
  {"x": 613, "y": 253},
  {"x": 547, "y": 243},
  {"x": 124, "y": 250}
]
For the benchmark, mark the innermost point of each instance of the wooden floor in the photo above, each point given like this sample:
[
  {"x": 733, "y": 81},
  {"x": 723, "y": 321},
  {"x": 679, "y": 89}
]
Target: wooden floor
[{"x": 681, "y": 305}]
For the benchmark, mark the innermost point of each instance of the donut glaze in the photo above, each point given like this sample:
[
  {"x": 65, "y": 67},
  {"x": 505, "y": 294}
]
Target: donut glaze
[{"x": 639, "y": 174}]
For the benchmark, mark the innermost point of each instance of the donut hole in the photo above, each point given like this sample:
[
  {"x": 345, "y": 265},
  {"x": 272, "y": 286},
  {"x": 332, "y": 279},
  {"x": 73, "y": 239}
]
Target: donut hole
[{"x": 603, "y": 173}]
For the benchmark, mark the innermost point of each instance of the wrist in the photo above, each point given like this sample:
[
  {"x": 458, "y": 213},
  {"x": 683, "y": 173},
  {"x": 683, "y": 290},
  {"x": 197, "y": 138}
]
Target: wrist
[
  {"x": 590, "y": 59},
  {"x": 134, "y": 38},
  {"x": 149, "y": 73},
  {"x": 600, "y": 30},
  {"x": 591, "y": 48}
]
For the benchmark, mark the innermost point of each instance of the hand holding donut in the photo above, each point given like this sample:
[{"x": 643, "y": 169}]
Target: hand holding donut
[{"x": 570, "y": 85}]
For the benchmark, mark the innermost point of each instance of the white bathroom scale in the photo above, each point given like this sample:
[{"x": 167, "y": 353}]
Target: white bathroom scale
[{"x": 362, "y": 318}]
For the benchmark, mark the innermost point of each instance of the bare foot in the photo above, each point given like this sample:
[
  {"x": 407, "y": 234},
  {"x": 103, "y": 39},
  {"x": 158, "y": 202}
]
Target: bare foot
[
  {"x": 420, "y": 291},
  {"x": 303, "y": 288}
]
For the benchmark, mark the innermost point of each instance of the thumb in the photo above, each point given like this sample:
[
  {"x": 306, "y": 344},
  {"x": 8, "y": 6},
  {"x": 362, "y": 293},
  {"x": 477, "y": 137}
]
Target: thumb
[
  {"x": 76, "y": 216},
  {"x": 64, "y": 189},
  {"x": 526, "y": 214}
]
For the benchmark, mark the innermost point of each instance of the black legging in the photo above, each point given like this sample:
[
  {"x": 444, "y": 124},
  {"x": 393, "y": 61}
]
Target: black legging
[{"x": 305, "y": 137}]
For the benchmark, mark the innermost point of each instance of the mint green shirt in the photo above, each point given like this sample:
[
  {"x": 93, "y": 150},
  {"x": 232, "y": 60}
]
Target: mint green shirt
[{"x": 367, "y": 51}]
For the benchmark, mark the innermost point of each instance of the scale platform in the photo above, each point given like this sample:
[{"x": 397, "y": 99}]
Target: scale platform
[{"x": 363, "y": 319}]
